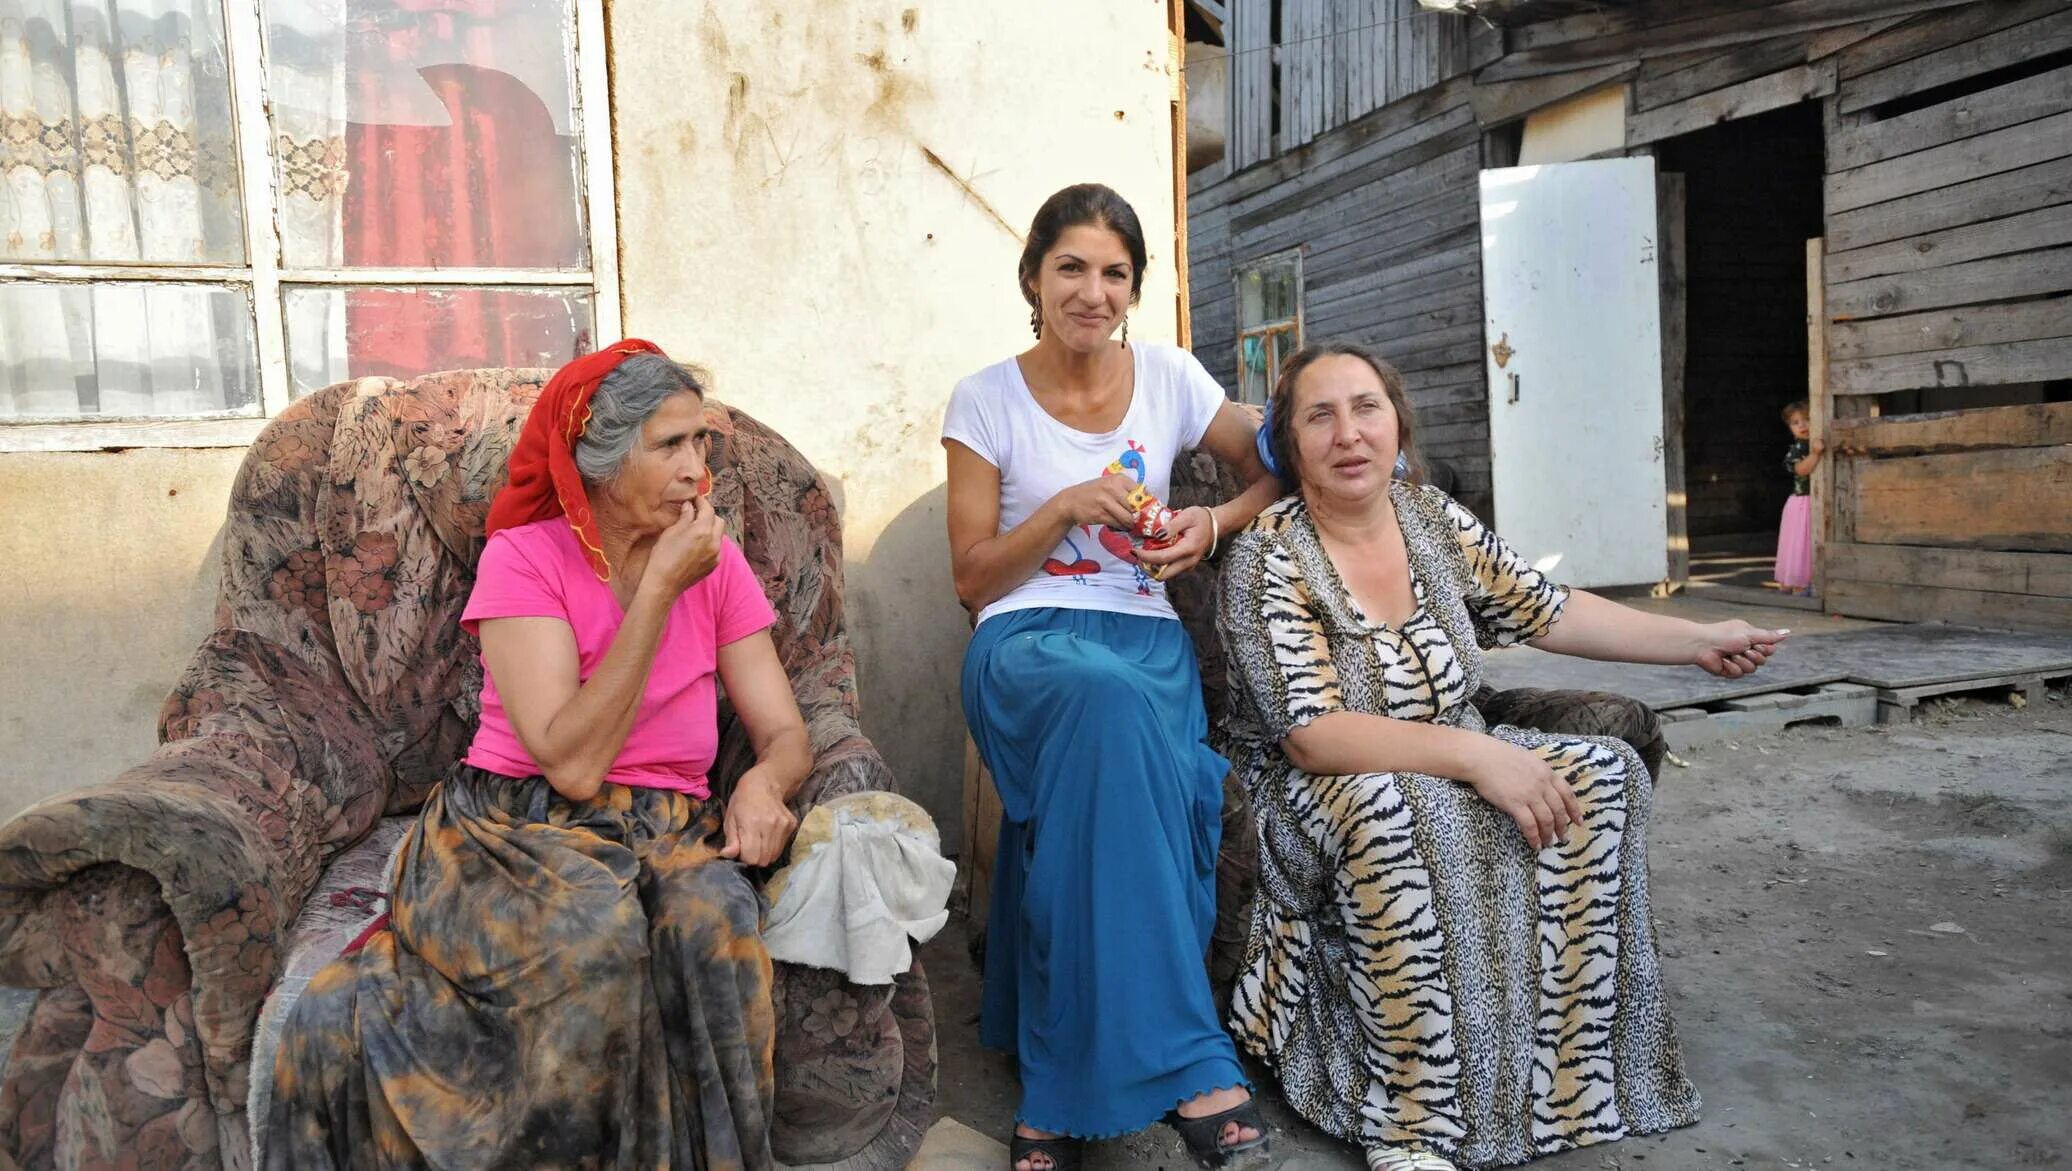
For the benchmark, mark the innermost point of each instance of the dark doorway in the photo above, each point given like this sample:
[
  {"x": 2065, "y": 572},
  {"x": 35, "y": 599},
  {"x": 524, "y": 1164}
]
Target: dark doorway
[{"x": 1752, "y": 199}]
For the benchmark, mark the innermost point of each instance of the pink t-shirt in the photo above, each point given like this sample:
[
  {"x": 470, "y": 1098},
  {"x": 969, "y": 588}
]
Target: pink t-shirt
[{"x": 538, "y": 571}]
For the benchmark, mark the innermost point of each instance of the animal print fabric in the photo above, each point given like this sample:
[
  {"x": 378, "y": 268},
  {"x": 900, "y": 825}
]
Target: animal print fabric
[{"x": 1415, "y": 973}]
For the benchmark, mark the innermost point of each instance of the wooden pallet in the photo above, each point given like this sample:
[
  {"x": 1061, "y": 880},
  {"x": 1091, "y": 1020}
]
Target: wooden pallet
[
  {"x": 1901, "y": 704},
  {"x": 1847, "y": 705}
]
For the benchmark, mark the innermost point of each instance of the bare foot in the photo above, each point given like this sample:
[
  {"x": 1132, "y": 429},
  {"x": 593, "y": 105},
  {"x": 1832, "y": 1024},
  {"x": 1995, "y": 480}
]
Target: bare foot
[
  {"x": 1216, "y": 1102},
  {"x": 1037, "y": 1160}
]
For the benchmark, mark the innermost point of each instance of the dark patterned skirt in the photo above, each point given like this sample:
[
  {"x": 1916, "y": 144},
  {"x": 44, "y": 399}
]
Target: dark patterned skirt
[{"x": 562, "y": 985}]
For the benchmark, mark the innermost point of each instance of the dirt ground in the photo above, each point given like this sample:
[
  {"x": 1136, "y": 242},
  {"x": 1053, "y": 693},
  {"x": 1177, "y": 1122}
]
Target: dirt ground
[{"x": 1868, "y": 936}]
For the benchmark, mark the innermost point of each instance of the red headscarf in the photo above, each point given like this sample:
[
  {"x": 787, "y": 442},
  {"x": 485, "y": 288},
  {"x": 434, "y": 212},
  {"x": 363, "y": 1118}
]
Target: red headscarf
[{"x": 544, "y": 481}]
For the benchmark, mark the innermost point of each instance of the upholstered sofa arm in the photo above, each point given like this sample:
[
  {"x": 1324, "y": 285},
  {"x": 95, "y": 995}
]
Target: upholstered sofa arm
[
  {"x": 844, "y": 761},
  {"x": 849, "y": 765},
  {"x": 173, "y": 818},
  {"x": 263, "y": 773}
]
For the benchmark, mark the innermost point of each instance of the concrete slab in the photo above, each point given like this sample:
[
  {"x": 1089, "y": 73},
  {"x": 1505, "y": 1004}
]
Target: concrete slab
[{"x": 1844, "y": 705}]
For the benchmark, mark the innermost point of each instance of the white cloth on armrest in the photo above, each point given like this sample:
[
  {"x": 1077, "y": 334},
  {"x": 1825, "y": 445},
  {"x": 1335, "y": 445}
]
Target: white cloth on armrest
[{"x": 866, "y": 876}]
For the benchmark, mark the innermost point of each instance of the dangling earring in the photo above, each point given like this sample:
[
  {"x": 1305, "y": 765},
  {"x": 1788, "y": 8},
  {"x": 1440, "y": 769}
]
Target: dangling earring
[
  {"x": 1125, "y": 329},
  {"x": 1036, "y": 322}
]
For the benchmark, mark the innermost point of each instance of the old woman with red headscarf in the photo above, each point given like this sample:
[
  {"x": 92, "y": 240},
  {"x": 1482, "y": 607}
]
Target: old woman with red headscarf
[{"x": 573, "y": 975}]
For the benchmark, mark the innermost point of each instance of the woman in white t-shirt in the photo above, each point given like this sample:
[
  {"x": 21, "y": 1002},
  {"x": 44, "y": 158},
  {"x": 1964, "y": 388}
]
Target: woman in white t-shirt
[{"x": 1081, "y": 689}]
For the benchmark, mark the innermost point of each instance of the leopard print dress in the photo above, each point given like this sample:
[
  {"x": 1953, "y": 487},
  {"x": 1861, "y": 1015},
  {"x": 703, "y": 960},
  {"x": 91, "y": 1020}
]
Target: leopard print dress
[{"x": 1415, "y": 972}]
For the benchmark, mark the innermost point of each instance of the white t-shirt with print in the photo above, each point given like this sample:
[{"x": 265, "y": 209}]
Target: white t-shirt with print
[{"x": 994, "y": 414}]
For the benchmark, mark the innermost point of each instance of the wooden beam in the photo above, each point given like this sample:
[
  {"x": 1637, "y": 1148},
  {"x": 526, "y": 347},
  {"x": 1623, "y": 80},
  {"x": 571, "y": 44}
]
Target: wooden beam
[
  {"x": 2015, "y": 498},
  {"x": 1212, "y": 12},
  {"x": 1485, "y": 44},
  {"x": 2045, "y": 575},
  {"x": 1842, "y": 508},
  {"x": 2008, "y": 149},
  {"x": 1251, "y": 82},
  {"x": 1444, "y": 136},
  {"x": 2009, "y": 46},
  {"x": 1908, "y": 603},
  {"x": 1653, "y": 30},
  {"x": 1828, "y": 42},
  {"x": 1355, "y": 143},
  {"x": 1992, "y": 365},
  {"x": 1928, "y": 33},
  {"x": 1176, "y": 17},
  {"x": 1969, "y": 202},
  {"x": 2032, "y": 425},
  {"x": 1951, "y": 329},
  {"x": 1505, "y": 101},
  {"x": 1962, "y": 117},
  {"x": 1658, "y": 86},
  {"x": 982, "y": 816},
  {"x": 1819, "y": 407},
  {"x": 1996, "y": 278},
  {"x": 1774, "y": 92},
  {"x": 2046, "y": 227},
  {"x": 1688, "y": 21}
]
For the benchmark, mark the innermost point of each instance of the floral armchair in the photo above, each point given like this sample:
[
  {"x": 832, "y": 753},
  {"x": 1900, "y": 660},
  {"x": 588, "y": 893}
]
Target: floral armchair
[{"x": 157, "y": 911}]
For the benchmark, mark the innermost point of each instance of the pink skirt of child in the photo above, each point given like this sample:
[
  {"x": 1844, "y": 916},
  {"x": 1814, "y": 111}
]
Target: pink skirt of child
[{"x": 1795, "y": 544}]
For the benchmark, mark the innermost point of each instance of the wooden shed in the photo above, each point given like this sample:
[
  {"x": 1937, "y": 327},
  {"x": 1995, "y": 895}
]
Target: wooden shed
[{"x": 1607, "y": 242}]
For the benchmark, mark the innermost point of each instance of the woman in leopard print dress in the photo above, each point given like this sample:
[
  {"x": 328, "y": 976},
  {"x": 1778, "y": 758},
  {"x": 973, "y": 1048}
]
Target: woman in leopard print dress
[{"x": 1451, "y": 955}]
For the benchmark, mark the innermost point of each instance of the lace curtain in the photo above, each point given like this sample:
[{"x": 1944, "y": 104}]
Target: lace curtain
[
  {"x": 115, "y": 147},
  {"x": 406, "y": 134}
]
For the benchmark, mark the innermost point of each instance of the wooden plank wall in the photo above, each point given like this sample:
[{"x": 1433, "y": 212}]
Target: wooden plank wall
[
  {"x": 1949, "y": 278},
  {"x": 1251, "y": 82},
  {"x": 1385, "y": 211},
  {"x": 1960, "y": 516},
  {"x": 1343, "y": 59},
  {"x": 1947, "y": 214}
]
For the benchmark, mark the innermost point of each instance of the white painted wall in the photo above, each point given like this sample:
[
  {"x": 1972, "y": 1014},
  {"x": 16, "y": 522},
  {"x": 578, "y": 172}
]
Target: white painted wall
[{"x": 823, "y": 203}]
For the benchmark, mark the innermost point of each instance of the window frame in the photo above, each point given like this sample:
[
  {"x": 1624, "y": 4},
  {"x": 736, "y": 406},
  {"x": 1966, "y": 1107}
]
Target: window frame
[
  {"x": 264, "y": 281},
  {"x": 1266, "y": 331}
]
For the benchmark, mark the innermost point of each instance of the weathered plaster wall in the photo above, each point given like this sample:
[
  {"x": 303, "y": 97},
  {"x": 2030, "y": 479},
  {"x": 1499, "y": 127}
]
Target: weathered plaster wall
[
  {"x": 107, "y": 582},
  {"x": 822, "y": 202}
]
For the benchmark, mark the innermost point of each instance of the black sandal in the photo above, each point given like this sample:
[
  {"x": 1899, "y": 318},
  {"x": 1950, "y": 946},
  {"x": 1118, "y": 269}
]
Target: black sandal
[
  {"x": 1204, "y": 1136},
  {"x": 1063, "y": 1151}
]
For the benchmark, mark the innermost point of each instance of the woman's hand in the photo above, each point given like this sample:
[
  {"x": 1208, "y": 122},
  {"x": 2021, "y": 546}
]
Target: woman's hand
[
  {"x": 1734, "y": 648},
  {"x": 1523, "y": 786},
  {"x": 758, "y": 826},
  {"x": 1191, "y": 531},
  {"x": 687, "y": 550},
  {"x": 1102, "y": 501}
]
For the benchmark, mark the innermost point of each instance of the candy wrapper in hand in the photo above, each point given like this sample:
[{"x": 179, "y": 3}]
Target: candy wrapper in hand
[{"x": 1149, "y": 517}]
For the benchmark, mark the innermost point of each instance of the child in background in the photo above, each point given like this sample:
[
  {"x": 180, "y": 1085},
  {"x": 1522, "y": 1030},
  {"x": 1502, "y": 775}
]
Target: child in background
[{"x": 1795, "y": 532}]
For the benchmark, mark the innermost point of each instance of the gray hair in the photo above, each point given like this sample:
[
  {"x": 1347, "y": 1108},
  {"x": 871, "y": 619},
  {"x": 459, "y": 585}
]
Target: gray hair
[{"x": 624, "y": 402}]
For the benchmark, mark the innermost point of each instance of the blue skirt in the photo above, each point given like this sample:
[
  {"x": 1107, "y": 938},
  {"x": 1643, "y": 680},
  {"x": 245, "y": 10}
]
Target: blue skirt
[{"x": 1104, "y": 888}]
